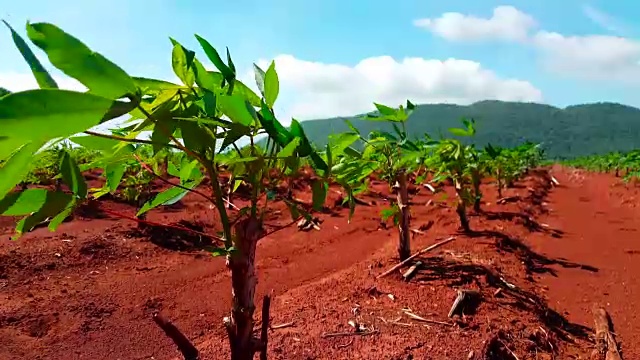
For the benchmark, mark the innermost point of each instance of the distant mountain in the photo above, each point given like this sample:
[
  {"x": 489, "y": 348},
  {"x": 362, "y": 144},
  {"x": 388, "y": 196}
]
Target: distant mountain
[{"x": 565, "y": 133}]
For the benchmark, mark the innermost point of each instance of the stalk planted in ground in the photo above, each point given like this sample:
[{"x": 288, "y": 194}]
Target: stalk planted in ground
[
  {"x": 392, "y": 155},
  {"x": 456, "y": 163}
]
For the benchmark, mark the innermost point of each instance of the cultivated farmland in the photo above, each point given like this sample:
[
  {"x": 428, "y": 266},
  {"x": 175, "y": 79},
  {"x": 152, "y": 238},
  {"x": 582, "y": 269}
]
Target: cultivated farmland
[{"x": 226, "y": 235}]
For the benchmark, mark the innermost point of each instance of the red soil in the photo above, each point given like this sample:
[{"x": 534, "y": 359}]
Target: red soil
[{"x": 88, "y": 290}]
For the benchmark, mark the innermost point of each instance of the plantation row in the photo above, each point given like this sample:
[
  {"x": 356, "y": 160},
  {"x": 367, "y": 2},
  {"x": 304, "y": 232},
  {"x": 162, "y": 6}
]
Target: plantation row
[
  {"x": 626, "y": 164},
  {"x": 196, "y": 128}
]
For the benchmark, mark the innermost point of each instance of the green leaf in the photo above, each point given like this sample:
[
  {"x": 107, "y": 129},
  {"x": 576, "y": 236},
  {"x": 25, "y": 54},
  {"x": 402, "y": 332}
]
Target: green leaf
[
  {"x": 195, "y": 136},
  {"x": 45, "y": 114},
  {"x": 290, "y": 149},
  {"x": 342, "y": 141},
  {"x": 234, "y": 134},
  {"x": 55, "y": 202},
  {"x": 239, "y": 88},
  {"x": 215, "y": 58},
  {"x": 189, "y": 170},
  {"x": 349, "y": 151},
  {"x": 214, "y": 81},
  {"x": 273, "y": 127},
  {"x": 230, "y": 62},
  {"x": 329, "y": 155},
  {"x": 72, "y": 176},
  {"x": 182, "y": 63},
  {"x": 319, "y": 190},
  {"x": 14, "y": 169},
  {"x": 161, "y": 136},
  {"x": 353, "y": 128},
  {"x": 385, "y": 110},
  {"x": 96, "y": 143},
  {"x": 236, "y": 108},
  {"x": 207, "y": 79},
  {"x": 305, "y": 148},
  {"x": 23, "y": 202},
  {"x": 114, "y": 172},
  {"x": 260, "y": 78},
  {"x": 167, "y": 197},
  {"x": 459, "y": 132},
  {"x": 59, "y": 219},
  {"x": 117, "y": 109},
  {"x": 99, "y": 75},
  {"x": 387, "y": 213},
  {"x": 271, "y": 85},
  {"x": 154, "y": 86},
  {"x": 218, "y": 251},
  {"x": 39, "y": 72}
]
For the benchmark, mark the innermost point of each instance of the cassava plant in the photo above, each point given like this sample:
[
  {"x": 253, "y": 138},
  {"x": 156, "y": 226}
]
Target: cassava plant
[
  {"x": 204, "y": 116},
  {"x": 391, "y": 155},
  {"x": 457, "y": 163}
]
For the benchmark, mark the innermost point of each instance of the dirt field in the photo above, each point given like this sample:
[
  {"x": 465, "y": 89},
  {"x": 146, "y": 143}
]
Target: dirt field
[{"x": 88, "y": 290}]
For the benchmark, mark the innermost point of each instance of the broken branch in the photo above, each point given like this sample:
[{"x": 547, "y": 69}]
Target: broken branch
[
  {"x": 282, "y": 326},
  {"x": 460, "y": 301},
  {"x": 354, "y": 333},
  {"x": 264, "y": 334},
  {"x": 427, "y": 249},
  {"x": 420, "y": 318},
  {"x": 189, "y": 352},
  {"x": 409, "y": 273}
]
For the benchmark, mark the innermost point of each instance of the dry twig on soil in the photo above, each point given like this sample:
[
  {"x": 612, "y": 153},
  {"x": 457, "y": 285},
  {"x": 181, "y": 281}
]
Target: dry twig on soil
[
  {"x": 420, "y": 318},
  {"x": 427, "y": 249},
  {"x": 189, "y": 352},
  {"x": 306, "y": 224},
  {"x": 282, "y": 326},
  {"x": 353, "y": 333},
  {"x": 409, "y": 273},
  {"x": 464, "y": 296}
]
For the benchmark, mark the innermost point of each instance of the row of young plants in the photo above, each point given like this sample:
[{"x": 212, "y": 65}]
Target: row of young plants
[
  {"x": 622, "y": 164},
  {"x": 196, "y": 129},
  {"x": 396, "y": 158}
]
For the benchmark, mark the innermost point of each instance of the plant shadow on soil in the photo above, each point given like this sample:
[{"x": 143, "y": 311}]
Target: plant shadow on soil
[
  {"x": 533, "y": 261},
  {"x": 458, "y": 274},
  {"x": 176, "y": 236},
  {"x": 509, "y": 296},
  {"x": 524, "y": 219}
]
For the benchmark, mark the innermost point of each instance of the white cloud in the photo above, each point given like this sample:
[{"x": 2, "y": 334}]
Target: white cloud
[
  {"x": 507, "y": 23},
  {"x": 589, "y": 57},
  {"x": 592, "y": 57},
  {"x": 604, "y": 20},
  {"x": 315, "y": 90},
  {"x": 310, "y": 90}
]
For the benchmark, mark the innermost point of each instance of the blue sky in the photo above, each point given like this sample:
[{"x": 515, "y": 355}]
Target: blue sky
[{"x": 336, "y": 57}]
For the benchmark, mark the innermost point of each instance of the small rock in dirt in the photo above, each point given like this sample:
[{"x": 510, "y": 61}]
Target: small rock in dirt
[{"x": 471, "y": 355}]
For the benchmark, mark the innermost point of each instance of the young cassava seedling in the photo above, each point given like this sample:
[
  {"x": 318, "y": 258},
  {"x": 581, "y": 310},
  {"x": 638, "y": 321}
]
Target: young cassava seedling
[{"x": 391, "y": 155}]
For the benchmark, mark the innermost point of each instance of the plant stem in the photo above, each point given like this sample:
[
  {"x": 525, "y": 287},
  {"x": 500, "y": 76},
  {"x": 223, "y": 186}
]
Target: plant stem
[
  {"x": 122, "y": 138},
  {"x": 219, "y": 204},
  {"x": 404, "y": 246},
  {"x": 243, "y": 284},
  {"x": 461, "y": 206}
]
